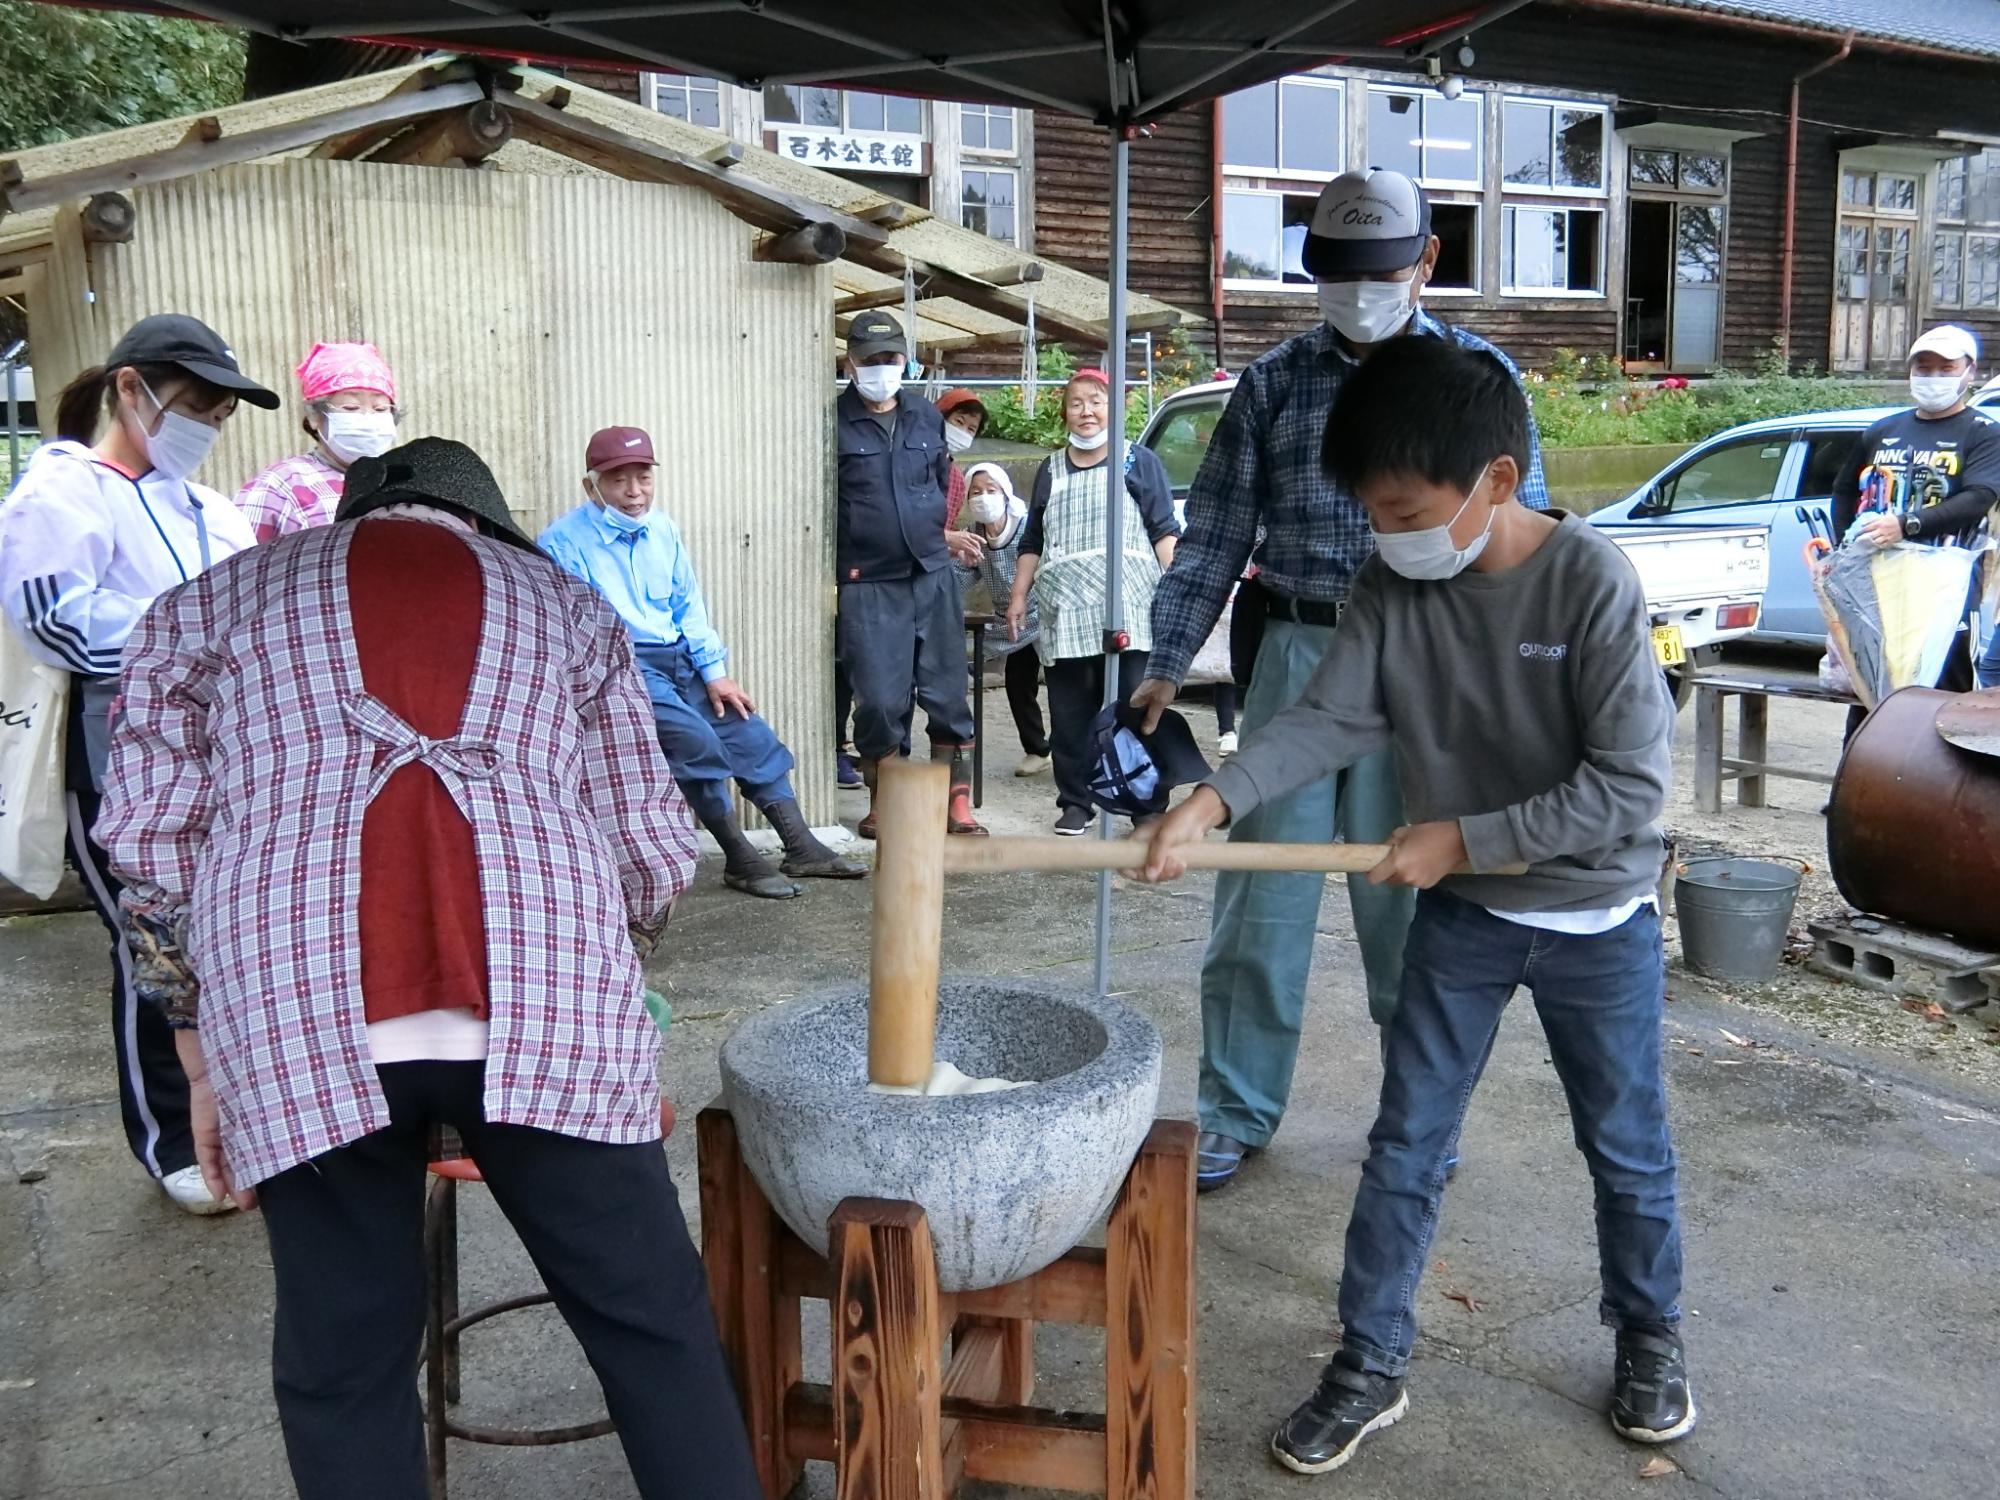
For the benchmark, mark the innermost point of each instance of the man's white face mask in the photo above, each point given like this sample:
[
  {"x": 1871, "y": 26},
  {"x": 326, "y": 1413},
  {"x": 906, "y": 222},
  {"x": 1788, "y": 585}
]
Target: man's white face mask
[
  {"x": 1367, "y": 312},
  {"x": 878, "y": 382}
]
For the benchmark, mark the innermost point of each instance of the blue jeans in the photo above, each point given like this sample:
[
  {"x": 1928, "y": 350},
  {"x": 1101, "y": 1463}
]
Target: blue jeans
[
  {"x": 705, "y": 753},
  {"x": 1600, "y": 999},
  {"x": 1253, "y": 977}
]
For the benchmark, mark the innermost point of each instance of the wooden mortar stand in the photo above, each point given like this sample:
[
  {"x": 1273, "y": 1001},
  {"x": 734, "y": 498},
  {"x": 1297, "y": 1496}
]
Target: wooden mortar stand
[{"x": 900, "y": 1420}]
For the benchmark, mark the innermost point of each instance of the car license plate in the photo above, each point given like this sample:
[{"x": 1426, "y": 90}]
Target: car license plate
[{"x": 1667, "y": 645}]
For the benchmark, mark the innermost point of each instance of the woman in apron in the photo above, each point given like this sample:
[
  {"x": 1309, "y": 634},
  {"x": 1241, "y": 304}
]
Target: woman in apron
[{"x": 1062, "y": 560}]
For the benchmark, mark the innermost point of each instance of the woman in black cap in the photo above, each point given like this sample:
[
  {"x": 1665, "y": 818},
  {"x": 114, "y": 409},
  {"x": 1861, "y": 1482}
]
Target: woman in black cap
[{"x": 99, "y": 526}]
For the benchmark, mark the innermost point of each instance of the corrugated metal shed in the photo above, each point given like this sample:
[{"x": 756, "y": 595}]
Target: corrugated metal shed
[{"x": 522, "y": 312}]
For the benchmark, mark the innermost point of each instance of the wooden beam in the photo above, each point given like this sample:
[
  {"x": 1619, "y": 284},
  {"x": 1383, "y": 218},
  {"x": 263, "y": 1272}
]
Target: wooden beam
[
  {"x": 108, "y": 219},
  {"x": 1014, "y": 275},
  {"x": 206, "y": 130},
  {"x": 1149, "y": 1340},
  {"x": 887, "y": 1384},
  {"x": 193, "y": 156},
  {"x": 624, "y": 155},
  {"x": 891, "y": 214},
  {"x": 725, "y": 156},
  {"x": 1016, "y": 1445},
  {"x": 808, "y": 245},
  {"x": 353, "y": 144},
  {"x": 470, "y": 134},
  {"x": 855, "y": 302},
  {"x": 980, "y": 294},
  {"x": 1070, "y": 1291}
]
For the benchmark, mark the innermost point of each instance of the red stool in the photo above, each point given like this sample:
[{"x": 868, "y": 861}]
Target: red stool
[{"x": 444, "y": 1323}]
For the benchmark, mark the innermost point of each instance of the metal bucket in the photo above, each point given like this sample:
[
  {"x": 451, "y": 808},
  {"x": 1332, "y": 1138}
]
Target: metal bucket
[{"x": 1734, "y": 914}]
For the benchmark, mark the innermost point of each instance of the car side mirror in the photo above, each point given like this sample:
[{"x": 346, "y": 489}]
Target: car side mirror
[{"x": 1652, "y": 503}]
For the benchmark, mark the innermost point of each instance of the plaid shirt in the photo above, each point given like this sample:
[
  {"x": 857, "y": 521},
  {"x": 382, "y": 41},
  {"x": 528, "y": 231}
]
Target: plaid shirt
[
  {"x": 245, "y": 757},
  {"x": 294, "y": 494},
  {"x": 1261, "y": 488}
]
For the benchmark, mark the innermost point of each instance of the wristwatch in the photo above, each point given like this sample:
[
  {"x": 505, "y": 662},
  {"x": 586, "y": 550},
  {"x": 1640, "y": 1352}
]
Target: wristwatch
[{"x": 1912, "y": 525}]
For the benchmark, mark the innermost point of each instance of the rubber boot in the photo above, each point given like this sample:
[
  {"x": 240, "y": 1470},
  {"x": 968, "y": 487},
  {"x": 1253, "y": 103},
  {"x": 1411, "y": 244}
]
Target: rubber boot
[
  {"x": 743, "y": 868},
  {"x": 958, "y": 816},
  {"x": 805, "y": 856},
  {"x": 866, "y": 828}
]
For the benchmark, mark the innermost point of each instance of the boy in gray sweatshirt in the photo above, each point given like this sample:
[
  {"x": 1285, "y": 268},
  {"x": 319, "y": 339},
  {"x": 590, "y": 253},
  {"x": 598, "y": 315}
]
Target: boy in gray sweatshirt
[{"x": 1505, "y": 654}]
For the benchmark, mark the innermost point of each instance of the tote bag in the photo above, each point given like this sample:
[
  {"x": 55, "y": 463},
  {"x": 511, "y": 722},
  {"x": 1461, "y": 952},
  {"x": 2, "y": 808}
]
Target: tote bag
[{"x": 34, "y": 702}]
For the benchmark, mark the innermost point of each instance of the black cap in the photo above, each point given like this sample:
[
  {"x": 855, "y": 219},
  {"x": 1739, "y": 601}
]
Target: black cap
[
  {"x": 873, "y": 333},
  {"x": 430, "y": 471},
  {"x": 1135, "y": 773},
  {"x": 176, "y": 339}
]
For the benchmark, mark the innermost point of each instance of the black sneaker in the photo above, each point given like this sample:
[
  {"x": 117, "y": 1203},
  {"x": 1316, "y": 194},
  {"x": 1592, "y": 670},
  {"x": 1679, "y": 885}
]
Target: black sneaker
[
  {"x": 1350, "y": 1403},
  {"x": 1651, "y": 1400},
  {"x": 1074, "y": 822}
]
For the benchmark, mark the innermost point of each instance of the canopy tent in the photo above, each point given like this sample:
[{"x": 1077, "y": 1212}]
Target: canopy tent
[{"x": 1118, "y": 62}]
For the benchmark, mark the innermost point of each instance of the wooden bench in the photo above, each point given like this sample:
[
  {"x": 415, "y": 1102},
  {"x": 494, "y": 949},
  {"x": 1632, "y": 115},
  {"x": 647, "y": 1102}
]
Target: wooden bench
[{"x": 1748, "y": 767}]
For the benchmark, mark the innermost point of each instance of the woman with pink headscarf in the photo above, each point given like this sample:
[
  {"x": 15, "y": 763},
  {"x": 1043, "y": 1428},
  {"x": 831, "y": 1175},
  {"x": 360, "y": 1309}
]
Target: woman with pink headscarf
[{"x": 350, "y": 396}]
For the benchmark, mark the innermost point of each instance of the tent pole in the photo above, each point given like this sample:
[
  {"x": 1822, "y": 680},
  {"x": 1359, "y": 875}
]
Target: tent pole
[{"x": 1114, "y": 497}]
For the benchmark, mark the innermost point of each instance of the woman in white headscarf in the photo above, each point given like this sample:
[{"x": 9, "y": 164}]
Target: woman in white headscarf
[{"x": 995, "y": 515}]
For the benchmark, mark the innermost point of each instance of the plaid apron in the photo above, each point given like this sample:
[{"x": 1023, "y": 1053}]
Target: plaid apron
[{"x": 1069, "y": 583}]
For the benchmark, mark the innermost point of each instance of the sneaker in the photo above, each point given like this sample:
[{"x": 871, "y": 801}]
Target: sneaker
[
  {"x": 1226, "y": 744},
  {"x": 1651, "y": 1400},
  {"x": 1073, "y": 823},
  {"x": 1216, "y": 1158},
  {"x": 191, "y": 1195},
  {"x": 846, "y": 774},
  {"x": 1031, "y": 765},
  {"x": 1350, "y": 1403}
]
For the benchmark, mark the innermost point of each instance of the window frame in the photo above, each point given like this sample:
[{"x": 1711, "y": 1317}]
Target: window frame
[
  {"x": 1554, "y": 103},
  {"x": 846, "y": 125},
  {"x": 1424, "y": 97},
  {"x": 992, "y": 169},
  {"x": 685, "y": 84},
  {"x": 1277, "y": 170},
  {"x": 986, "y": 112},
  {"x": 1478, "y": 288},
  {"x": 1965, "y": 229},
  {"x": 1785, "y": 441},
  {"x": 1248, "y": 284},
  {"x": 1566, "y": 294}
]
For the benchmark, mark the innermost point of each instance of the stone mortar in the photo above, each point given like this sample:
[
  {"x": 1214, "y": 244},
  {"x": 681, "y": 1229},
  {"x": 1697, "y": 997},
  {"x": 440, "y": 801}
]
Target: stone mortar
[{"x": 1010, "y": 1181}]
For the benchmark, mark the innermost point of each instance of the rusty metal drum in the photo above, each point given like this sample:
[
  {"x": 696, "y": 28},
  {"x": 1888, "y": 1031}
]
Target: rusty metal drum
[{"x": 1913, "y": 833}]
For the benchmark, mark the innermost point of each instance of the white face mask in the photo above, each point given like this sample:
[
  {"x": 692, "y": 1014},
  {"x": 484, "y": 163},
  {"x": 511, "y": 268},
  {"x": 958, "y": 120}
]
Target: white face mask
[
  {"x": 1938, "y": 392},
  {"x": 1431, "y": 553},
  {"x": 1366, "y": 312},
  {"x": 878, "y": 382},
  {"x": 956, "y": 438},
  {"x": 1090, "y": 442},
  {"x": 986, "y": 507},
  {"x": 349, "y": 435},
  {"x": 176, "y": 447}
]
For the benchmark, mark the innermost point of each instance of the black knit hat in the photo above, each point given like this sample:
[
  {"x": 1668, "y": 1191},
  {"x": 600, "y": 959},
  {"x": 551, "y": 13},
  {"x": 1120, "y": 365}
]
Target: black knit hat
[{"x": 431, "y": 471}]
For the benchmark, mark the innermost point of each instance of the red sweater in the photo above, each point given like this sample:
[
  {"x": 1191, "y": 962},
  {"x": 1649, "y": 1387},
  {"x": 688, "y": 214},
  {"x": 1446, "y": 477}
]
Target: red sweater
[{"x": 415, "y": 601}]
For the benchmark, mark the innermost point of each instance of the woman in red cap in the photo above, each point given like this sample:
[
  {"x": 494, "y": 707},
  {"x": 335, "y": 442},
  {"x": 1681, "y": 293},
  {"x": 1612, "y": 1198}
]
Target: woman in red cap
[
  {"x": 964, "y": 419},
  {"x": 351, "y": 412}
]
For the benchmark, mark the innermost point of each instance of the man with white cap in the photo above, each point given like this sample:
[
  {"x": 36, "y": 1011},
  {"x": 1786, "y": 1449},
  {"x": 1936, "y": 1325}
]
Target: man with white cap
[{"x": 1263, "y": 495}]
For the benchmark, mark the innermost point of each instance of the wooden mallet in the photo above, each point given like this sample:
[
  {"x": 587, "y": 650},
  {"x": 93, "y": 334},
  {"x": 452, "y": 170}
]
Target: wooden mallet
[{"x": 913, "y": 854}]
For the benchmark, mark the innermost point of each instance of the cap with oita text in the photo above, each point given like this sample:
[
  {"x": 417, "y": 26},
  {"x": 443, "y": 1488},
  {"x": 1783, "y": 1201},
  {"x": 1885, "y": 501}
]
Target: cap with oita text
[
  {"x": 1365, "y": 223},
  {"x": 618, "y": 448}
]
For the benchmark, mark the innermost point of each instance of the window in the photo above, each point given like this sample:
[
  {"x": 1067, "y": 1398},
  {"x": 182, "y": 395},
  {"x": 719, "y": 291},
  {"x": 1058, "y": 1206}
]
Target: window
[
  {"x": 1827, "y": 454},
  {"x": 1426, "y": 136},
  {"x": 1264, "y": 237},
  {"x": 1552, "y": 147},
  {"x": 1682, "y": 171},
  {"x": 1552, "y": 251},
  {"x": 986, "y": 202},
  {"x": 696, "y": 100},
  {"x": 1290, "y": 128},
  {"x": 1965, "y": 252},
  {"x": 832, "y": 109},
  {"x": 1183, "y": 439},
  {"x": 1457, "y": 227},
  {"x": 987, "y": 127},
  {"x": 1740, "y": 473}
]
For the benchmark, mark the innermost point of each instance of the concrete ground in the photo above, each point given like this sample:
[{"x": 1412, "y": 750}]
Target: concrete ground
[{"x": 1841, "y": 1177}]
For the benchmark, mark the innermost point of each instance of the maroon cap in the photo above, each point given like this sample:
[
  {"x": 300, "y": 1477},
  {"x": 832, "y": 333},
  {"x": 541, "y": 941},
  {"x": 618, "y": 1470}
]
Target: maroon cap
[{"x": 618, "y": 448}]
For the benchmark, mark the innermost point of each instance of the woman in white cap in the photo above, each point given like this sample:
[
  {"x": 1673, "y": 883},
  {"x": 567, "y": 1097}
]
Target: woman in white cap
[
  {"x": 999, "y": 518},
  {"x": 351, "y": 413},
  {"x": 99, "y": 526}
]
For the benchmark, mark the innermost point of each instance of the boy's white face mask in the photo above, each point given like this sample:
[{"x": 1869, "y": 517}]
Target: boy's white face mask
[{"x": 1431, "y": 554}]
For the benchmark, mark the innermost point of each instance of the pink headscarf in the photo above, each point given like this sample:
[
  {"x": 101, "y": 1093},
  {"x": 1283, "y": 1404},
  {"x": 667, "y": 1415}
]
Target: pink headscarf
[{"x": 345, "y": 367}]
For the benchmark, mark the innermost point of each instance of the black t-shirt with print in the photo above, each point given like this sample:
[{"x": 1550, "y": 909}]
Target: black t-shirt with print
[{"x": 1945, "y": 471}]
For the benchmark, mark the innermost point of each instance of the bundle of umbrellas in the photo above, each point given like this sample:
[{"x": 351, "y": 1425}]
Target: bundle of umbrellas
[{"x": 1893, "y": 613}]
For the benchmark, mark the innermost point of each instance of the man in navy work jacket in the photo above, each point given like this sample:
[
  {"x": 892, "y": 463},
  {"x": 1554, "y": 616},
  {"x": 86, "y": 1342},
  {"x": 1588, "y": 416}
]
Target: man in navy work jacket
[
  {"x": 1371, "y": 250},
  {"x": 901, "y": 630},
  {"x": 712, "y": 734}
]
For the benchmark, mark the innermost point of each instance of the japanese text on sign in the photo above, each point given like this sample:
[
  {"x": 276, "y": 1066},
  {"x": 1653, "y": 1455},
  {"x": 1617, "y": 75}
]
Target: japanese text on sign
[{"x": 853, "y": 151}]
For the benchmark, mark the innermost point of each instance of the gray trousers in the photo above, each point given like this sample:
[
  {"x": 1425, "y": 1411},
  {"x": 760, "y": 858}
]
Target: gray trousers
[{"x": 902, "y": 643}]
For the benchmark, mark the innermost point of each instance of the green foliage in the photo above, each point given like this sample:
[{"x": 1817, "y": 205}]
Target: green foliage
[
  {"x": 1585, "y": 402},
  {"x": 1175, "y": 364},
  {"x": 66, "y": 73}
]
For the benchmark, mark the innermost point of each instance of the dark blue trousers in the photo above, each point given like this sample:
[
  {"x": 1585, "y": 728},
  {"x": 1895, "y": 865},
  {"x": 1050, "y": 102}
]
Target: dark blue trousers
[{"x": 704, "y": 752}]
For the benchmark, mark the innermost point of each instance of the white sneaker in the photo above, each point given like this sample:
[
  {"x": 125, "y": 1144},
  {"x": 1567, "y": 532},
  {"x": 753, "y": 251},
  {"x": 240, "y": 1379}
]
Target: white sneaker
[
  {"x": 1031, "y": 765},
  {"x": 190, "y": 1194},
  {"x": 1226, "y": 744}
]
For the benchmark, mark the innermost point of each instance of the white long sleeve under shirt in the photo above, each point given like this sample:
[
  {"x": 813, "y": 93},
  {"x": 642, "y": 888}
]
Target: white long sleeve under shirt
[{"x": 85, "y": 549}]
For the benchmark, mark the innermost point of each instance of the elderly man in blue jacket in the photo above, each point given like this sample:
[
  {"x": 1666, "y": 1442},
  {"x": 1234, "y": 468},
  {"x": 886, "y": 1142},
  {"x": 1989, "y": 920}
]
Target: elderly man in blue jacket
[{"x": 711, "y": 731}]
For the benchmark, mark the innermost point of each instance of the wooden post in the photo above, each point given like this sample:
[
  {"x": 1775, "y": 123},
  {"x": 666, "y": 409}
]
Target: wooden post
[
  {"x": 1753, "y": 745},
  {"x": 1149, "y": 1327},
  {"x": 1017, "y": 1353},
  {"x": 912, "y": 799},
  {"x": 1708, "y": 704},
  {"x": 888, "y": 1386},
  {"x": 759, "y": 1323}
]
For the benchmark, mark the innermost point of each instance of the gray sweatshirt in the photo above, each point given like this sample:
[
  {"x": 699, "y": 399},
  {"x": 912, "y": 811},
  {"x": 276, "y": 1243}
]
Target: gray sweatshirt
[{"x": 1525, "y": 704}]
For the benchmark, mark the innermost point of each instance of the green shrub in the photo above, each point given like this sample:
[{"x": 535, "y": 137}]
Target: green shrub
[{"x": 1007, "y": 415}]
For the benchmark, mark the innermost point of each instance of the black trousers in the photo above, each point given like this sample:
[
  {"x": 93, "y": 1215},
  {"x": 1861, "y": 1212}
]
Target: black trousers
[
  {"x": 902, "y": 641},
  {"x": 603, "y": 1224},
  {"x": 1023, "y": 675},
  {"x": 152, "y": 1087},
  {"x": 1076, "y": 695}
]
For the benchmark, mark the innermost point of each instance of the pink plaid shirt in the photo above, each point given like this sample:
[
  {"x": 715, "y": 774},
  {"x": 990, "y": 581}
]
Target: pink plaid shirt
[
  {"x": 240, "y": 769},
  {"x": 294, "y": 494}
]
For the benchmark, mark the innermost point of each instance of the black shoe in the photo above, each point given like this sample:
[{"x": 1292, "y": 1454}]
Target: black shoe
[
  {"x": 1074, "y": 822},
  {"x": 1350, "y": 1403},
  {"x": 1651, "y": 1400},
  {"x": 1216, "y": 1158}
]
